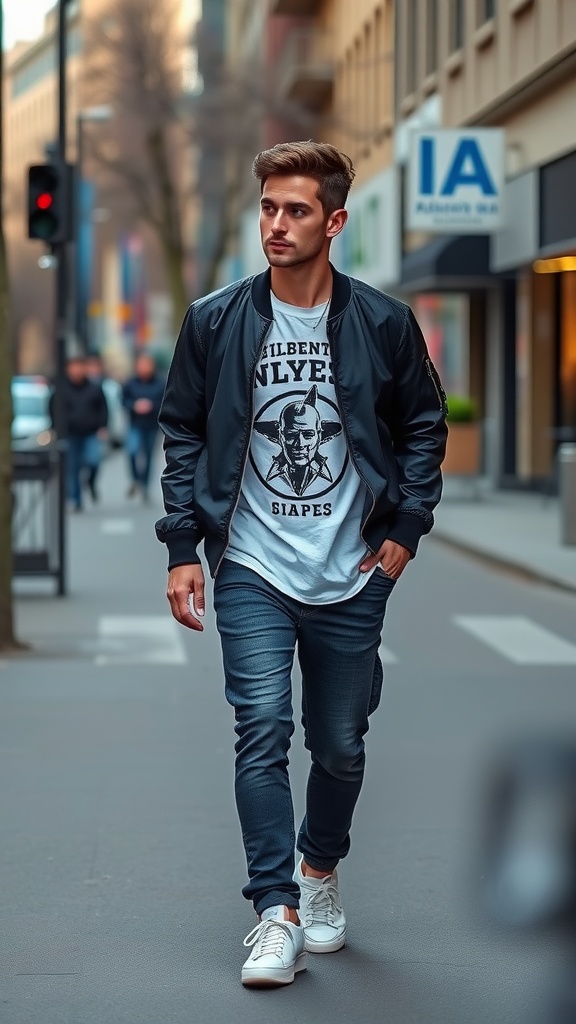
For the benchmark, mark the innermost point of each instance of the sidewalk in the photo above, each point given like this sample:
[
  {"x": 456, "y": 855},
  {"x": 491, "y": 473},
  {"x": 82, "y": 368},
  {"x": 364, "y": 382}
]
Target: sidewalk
[{"x": 520, "y": 531}]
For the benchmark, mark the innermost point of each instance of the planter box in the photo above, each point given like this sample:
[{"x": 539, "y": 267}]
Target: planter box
[{"x": 463, "y": 450}]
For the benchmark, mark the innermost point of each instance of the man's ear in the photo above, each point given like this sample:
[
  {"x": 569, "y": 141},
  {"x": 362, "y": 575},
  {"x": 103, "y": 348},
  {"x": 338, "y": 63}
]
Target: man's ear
[{"x": 336, "y": 222}]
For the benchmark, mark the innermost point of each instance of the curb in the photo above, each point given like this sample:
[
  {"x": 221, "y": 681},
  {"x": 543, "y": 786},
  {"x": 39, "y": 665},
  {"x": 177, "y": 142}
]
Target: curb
[{"x": 502, "y": 562}]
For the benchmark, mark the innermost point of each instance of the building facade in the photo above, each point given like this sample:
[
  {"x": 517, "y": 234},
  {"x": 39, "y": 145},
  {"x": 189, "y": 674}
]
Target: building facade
[{"x": 511, "y": 65}]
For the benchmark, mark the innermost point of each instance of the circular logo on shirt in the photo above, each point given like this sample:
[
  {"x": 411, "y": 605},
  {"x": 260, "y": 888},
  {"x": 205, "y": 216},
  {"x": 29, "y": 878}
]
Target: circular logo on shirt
[{"x": 294, "y": 450}]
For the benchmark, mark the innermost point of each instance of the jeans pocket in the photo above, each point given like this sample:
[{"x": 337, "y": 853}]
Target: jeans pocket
[
  {"x": 383, "y": 576},
  {"x": 377, "y": 681}
]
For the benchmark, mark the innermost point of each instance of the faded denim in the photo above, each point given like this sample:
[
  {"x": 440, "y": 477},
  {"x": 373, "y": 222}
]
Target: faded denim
[{"x": 337, "y": 645}]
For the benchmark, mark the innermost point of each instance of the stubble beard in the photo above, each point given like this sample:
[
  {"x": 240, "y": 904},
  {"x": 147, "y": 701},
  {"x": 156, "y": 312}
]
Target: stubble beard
[{"x": 291, "y": 258}]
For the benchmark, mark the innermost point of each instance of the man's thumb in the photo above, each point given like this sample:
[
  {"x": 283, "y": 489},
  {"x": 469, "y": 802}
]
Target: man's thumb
[{"x": 199, "y": 602}]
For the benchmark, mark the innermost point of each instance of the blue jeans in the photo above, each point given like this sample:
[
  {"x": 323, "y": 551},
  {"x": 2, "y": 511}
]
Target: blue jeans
[
  {"x": 140, "y": 447},
  {"x": 83, "y": 452},
  {"x": 341, "y": 683}
]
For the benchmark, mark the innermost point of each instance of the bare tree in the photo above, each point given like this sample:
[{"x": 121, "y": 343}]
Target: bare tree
[
  {"x": 7, "y": 637},
  {"x": 134, "y": 63}
]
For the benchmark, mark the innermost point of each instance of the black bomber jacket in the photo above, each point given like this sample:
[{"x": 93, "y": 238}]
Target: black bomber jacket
[{"x": 390, "y": 398}]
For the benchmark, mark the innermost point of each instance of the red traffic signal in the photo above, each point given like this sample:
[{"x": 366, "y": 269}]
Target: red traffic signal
[{"x": 50, "y": 188}]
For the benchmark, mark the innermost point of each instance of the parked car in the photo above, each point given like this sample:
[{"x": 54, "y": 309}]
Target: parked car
[{"x": 31, "y": 422}]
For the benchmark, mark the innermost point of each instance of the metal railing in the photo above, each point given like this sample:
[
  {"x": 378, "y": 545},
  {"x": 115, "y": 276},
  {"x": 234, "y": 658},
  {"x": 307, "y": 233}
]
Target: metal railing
[{"x": 38, "y": 513}]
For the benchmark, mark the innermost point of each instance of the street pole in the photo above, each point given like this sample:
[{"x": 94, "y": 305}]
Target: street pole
[
  {"x": 60, "y": 250},
  {"x": 79, "y": 319}
]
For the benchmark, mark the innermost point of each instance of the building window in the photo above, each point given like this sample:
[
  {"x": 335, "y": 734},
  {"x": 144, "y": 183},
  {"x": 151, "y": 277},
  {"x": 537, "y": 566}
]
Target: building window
[
  {"x": 431, "y": 36},
  {"x": 456, "y": 24},
  {"x": 412, "y": 48},
  {"x": 486, "y": 9}
]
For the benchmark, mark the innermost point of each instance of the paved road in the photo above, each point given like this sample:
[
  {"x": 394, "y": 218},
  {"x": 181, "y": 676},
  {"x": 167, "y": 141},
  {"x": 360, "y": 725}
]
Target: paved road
[{"x": 120, "y": 854}]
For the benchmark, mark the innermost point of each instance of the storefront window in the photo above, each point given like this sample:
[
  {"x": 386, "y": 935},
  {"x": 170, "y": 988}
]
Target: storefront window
[
  {"x": 568, "y": 352},
  {"x": 444, "y": 320}
]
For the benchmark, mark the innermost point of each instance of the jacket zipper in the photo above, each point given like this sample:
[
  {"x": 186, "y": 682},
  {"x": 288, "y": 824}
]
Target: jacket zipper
[
  {"x": 246, "y": 449},
  {"x": 440, "y": 394},
  {"x": 348, "y": 441}
]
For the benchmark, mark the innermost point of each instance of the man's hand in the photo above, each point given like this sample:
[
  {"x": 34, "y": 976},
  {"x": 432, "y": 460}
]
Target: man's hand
[
  {"x": 393, "y": 558},
  {"x": 142, "y": 406},
  {"x": 185, "y": 581}
]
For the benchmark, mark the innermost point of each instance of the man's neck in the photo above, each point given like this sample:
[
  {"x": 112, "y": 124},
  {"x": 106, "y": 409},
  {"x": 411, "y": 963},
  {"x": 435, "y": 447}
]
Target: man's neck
[{"x": 303, "y": 286}]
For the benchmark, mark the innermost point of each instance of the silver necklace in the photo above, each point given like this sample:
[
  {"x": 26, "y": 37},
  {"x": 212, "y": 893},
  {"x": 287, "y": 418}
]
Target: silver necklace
[{"x": 323, "y": 313}]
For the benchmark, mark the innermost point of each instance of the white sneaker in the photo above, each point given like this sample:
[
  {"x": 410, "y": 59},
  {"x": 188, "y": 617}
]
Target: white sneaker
[
  {"x": 321, "y": 912},
  {"x": 277, "y": 951}
]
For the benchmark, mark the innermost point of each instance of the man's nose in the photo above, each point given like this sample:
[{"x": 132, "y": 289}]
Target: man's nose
[{"x": 278, "y": 225}]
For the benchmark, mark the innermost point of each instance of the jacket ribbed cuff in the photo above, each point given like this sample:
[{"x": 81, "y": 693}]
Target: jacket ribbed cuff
[
  {"x": 181, "y": 546},
  {"x": 407, "y": 529}
]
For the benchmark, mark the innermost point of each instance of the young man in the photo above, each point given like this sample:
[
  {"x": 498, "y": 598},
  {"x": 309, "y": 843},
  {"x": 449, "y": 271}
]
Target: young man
[
  {"x": 304, "y": 431},
  {"x": 142, "y": 397},
  {"x": 85, "y": 416}
]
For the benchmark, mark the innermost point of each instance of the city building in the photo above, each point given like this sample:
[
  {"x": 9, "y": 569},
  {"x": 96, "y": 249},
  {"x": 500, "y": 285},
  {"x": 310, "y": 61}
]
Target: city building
[{"x": 503, "y": 305}]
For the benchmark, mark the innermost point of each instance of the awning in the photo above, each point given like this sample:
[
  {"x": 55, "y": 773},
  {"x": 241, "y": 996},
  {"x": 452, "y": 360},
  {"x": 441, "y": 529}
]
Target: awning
[{"x": 449, "y": 263}]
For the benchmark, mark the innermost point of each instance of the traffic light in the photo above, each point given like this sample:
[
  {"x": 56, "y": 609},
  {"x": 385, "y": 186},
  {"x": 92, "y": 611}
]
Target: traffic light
[{"x": 50, "y": 196}]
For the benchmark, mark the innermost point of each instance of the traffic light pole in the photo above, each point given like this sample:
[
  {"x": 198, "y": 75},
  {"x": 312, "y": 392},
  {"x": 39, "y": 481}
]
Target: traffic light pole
[{"x": 60, "y": 250}]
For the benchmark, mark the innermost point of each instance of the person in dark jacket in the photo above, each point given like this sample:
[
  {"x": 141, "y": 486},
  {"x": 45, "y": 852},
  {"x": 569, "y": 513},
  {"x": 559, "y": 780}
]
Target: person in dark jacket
[
  {"x": 304, "y": 430},
  {"x": 84, "y": 420},
  {"x": 142, "y": 397}
]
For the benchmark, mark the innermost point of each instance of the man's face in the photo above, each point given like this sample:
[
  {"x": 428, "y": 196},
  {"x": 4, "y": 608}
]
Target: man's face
[
  {"x": 300, "y": 435},
  {"x": 76, "y": 371},
  {"x": 144, "y": 367},
  {"x": 292, "y": 222}
]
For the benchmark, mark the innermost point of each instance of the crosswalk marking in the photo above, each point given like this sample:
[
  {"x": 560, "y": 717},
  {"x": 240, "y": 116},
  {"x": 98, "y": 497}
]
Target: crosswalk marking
[
  {"x": 519, "y": 639},
  {"x": 139, "y": 639},
  {"x": 117, "y": 526}
]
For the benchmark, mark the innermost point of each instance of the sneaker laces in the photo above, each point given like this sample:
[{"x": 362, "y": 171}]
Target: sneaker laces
[
  {"x": 324, "y": 904},
  {"x": 268, "y": 937}
]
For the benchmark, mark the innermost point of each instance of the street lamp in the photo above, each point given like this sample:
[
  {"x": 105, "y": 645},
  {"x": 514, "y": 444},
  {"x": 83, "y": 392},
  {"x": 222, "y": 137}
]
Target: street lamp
[{"x": 98, "y": 114}]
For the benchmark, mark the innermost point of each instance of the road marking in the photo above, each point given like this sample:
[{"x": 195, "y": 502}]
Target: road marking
[
  {"x": 519, "y": 639},
  {"x": 386, "y": 656},
  {"x": 116, "y": 526},
  {"x": 139, "y": 639}
]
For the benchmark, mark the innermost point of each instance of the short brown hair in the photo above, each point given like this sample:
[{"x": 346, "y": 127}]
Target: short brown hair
[{"x": 332, "y": 169}]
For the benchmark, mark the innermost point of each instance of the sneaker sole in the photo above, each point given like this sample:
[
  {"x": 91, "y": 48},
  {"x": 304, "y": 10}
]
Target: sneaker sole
[
  {"x": 325, "y": 947},
  {"x": 271, "y": 978}
]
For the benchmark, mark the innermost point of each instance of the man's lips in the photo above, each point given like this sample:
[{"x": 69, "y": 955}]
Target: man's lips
[{"x": 277, "y": 243}]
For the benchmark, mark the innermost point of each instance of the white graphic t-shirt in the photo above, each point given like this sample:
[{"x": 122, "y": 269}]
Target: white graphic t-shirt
[{"x": 298, "y": 518}]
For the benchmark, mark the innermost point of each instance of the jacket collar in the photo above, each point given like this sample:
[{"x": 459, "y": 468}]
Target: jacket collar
[{"x": 341, "y": 292}]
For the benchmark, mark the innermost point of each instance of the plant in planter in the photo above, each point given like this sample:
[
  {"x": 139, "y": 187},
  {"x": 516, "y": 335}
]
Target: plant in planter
[{"x": 464, "y": 437}]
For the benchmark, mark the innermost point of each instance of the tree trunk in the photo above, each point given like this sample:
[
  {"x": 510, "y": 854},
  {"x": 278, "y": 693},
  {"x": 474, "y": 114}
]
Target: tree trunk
[
  {"x": 170, "y": 210},
  {"x": 7, "y": 638},
  {"x": 173, "y": 265}
]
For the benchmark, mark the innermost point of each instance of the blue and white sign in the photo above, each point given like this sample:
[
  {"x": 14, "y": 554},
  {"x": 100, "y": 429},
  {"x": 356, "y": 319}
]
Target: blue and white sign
[{"x": 456, "y": 181}]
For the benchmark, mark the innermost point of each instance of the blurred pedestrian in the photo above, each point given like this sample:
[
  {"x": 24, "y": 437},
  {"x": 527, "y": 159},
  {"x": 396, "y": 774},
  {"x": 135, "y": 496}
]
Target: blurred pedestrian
[
  {"x": 142, "y": 396},
  {"x": 84, "y": 419},
  {"x": 304, "y": 430}
]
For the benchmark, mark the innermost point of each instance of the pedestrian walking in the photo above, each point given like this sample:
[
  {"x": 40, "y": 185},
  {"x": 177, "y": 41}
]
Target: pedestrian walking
[
  {"x": 304, "y": 429},
  {"x": 84, "y": 420},
  {"x": 142, "y": 397}
]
